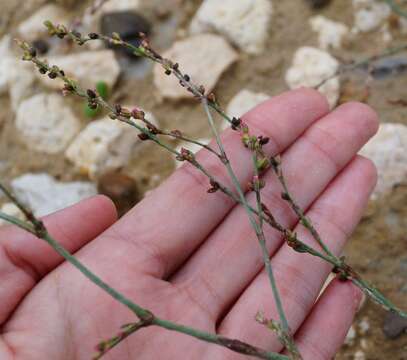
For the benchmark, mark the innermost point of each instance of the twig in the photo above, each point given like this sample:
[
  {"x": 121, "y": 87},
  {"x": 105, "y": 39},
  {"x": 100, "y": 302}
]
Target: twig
[
  {"x": 355, "y": 64},
  {"x": 105, "y": 346},
  {"x": 146, "y": 317},
  {"x": 185, "y": 155},
  {"x": 283, "y": 331},
  {"x": 258, "y": 228},
  {"x": 286, "y": 195}
]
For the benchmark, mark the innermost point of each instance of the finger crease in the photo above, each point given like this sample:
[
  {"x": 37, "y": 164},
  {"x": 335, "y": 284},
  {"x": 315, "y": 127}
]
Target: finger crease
[
  {"x": 21, "y": 264},
  {"x": 322, "y": 150},
  {"x": 187, "y": 289},
  {"x": 322, "y": 216}
]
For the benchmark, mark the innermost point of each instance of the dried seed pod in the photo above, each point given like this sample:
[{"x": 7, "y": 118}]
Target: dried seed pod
[
  {"x": 118, "y": 109},
  {"x": 263, "y": 140},
  {"x": 285, "y": 196},
  {"x": 214, "y": 187},
  {"x": 143, "y": 136},
  {"x": 93, "y": 36},
  {"x": 91, "y": 94},
  {"x": 236, "y": 123}
]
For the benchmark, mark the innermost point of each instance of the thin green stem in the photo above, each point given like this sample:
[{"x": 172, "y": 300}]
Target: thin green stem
[
  {"x": 355, "y": 64},
  {"x": 377, "y": 296},
  {"x": 30, "y": 55},
  {"x": 145, "y": 315},
  {"x": 229, "y": 169},
  {"x": 266, "y": 257},
  {"x": 285, "y": 337},
  {"x": 258, "y": 227},
  {"x": 297, "y": 209}
]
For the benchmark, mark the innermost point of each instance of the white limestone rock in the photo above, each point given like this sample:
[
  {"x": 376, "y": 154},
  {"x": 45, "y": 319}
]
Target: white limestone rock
[
  {"x": 194, "y": 148},
  {"x": 45, "y": 123},
  {"x": 33, "y": 27},
  {"x": 12, "y": 210},
  {"x": 5, "y": 62},
  {"x": 16, "y": 77},
  {"x": 364, "y": 326},
  {"x": 385, "y": 33},
  {"x": 369, "y": 15},
  {"x": 359, "y": 355},
  {"x": 310, "y": 67},
  {"x": 21, "y": 82},
  {"x": 88, "y": 68},
  {"x": 242, "y": 102},
  {"x": 388, "y": 150},
  {"x": 44, "y": 195},
  {"x": 120, "y": 5},
  {"x": 245, "y": 23},
  {"x": 103, "y": 145},
  {"x": 203, "y": 57},
  {"x": 350, "y": 336},
  {"x": 330, "y": 33}
]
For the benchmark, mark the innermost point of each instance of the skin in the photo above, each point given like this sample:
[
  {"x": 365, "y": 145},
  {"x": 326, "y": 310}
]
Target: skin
[{"x": 192, "y": 257}]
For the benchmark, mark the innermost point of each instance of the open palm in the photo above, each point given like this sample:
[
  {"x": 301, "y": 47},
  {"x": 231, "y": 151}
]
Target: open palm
[{"x": 192, "y": 257}]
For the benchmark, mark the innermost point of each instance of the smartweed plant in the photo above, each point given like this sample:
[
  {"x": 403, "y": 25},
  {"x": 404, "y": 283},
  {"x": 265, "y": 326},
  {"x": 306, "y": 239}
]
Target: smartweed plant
[{"x": 259, "y": 215}]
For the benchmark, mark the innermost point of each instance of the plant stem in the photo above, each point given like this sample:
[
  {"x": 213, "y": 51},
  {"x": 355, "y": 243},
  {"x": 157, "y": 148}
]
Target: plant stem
[
  {"x": 286, "y": 337},
  {"x": 291, "y": 238},
  {"x": 355, "y": 64},
  {"x": 146, "y": 316},
  {"x": 258, "y": 228},
  {"x": 297, "y": 209}
]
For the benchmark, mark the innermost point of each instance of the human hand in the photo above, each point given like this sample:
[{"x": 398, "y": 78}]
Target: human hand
[{"x": 192, "y": 257}]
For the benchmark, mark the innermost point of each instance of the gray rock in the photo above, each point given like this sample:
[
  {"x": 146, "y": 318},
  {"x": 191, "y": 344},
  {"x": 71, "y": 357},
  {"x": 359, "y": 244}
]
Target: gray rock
[
  {"x": 128, "y": 25},
  {"x": 317, "y": 4},
  {"x": 394, "y": 325},
  {"x": 41, "y": 45},
  {"x": 91, "y": 20},
  {"x": 389, "y": 66}
]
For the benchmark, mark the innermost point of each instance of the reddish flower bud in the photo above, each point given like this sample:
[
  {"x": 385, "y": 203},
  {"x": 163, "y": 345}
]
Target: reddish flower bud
[{"x": 143, "y": 136}]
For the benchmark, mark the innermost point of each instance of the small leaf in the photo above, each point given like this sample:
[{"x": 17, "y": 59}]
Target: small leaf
[{"x": 102, "y": 89}]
